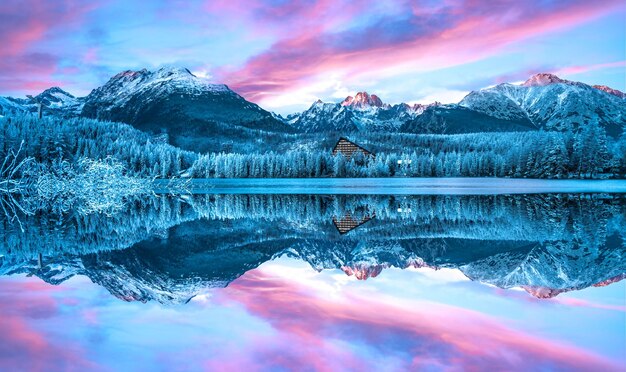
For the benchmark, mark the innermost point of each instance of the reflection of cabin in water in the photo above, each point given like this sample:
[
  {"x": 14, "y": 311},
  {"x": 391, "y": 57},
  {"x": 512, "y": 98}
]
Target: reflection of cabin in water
[
  {"x": 348, "y": 149},
  {"x": 348, "y": 223}
]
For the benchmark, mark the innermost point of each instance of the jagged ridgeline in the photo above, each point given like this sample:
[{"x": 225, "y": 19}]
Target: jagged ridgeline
[{"x": 170, "y": 248}]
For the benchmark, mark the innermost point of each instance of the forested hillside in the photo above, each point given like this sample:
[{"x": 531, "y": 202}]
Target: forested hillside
[
  {"x": 589, "y": 153},
  {"x": 54, "y": 139},
  {"x": 538, "y": 154}
]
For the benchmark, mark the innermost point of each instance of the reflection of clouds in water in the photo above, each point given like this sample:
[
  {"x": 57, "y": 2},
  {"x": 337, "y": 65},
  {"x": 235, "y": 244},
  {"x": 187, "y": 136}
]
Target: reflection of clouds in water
[
  {"x": 409, "y": 332},
  {"x": 26, "y": 307},
  {"x": 285, "y": 314},
  {"x": 552, "y": 244}
]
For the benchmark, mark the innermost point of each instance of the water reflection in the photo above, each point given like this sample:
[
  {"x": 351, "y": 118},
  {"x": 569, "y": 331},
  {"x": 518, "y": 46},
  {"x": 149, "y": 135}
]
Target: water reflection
[
  {"x": 169, "y": 249},
  {"x": 284, "y": 315}
]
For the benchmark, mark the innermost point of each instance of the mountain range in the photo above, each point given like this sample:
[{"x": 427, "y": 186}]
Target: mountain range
[
  {"x": 176, "y": 269},
  {"x": 187, "y": 108}
]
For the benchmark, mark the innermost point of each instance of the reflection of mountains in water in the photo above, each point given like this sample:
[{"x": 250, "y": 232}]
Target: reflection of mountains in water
[{"x": 168, "y": 249}]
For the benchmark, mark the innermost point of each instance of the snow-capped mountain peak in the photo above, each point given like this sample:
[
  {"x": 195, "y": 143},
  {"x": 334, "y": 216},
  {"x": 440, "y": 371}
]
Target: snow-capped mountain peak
[
  {"x": 56, "y": 97},
  {"x": 549, "y": 102},
  {"x": 166, "y": 79},
  {"x": 362, "y": 100},
  {"x": 55, "y": 91},
  {"x": 175, "y": 101},
  {"x": 363, "y": 111},
  {"x": 543, "y": 79}
]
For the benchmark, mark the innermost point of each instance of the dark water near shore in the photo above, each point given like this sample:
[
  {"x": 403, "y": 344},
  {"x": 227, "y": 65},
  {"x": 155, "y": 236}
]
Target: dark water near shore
[{"x": 509, "y": 281}]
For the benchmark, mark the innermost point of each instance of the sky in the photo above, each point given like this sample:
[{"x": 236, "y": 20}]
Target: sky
[
  {"x": 284, "y": 315},
  {"x": 284, "y": 55}
]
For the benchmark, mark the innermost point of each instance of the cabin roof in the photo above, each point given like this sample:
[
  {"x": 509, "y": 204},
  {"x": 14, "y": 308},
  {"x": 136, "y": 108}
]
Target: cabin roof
[
  {"x": 347, "y": 147},
  {"x": 348, "y": 223}
]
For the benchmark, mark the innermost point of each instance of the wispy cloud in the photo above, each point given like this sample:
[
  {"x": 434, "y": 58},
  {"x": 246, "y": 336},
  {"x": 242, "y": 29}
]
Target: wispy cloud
[
  {"x": 579, "y": 69},
  {"x": 23, "y": 24},
  {"x": 24, "y": 303},
  {"x": 406, "y": 334},
  {"x": 422, "y": 40},
  {"x": 287, "y": 53}
]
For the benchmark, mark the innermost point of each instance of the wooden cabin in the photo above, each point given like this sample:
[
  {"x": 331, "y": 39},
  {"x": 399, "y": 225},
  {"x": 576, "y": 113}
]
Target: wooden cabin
[{"x": 348, "y": 148}]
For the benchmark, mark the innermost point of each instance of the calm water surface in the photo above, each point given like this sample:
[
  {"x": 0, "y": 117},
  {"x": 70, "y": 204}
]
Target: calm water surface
[{"x": 318, "y": 282}]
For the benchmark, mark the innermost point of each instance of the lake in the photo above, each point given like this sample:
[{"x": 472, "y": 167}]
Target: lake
[{"x": 324, "y": 274}]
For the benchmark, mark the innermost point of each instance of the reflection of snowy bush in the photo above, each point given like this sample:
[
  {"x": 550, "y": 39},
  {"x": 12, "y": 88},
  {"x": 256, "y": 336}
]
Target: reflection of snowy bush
[
  {"x": 15, "y": 171},
  {"x": 90, "y": 186}
]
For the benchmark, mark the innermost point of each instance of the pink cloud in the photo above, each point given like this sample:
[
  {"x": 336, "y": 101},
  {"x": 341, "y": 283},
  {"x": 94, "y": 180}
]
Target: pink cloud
[
  {"x": 23, "y": 24},
  {"x": 430, "y": 39},
  {"x": 573, "y": 70},
  {"x": 290, "y": 19},
  {"x": 20, "y": 341},
  {"x": 91, "y": 55},
  {"x": 576, "y": 302},
  {"x": 309, "y": 326}
]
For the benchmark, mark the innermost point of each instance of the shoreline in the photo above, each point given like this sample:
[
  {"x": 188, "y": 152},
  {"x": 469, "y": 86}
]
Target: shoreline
[{"x": 388, "y": 186}]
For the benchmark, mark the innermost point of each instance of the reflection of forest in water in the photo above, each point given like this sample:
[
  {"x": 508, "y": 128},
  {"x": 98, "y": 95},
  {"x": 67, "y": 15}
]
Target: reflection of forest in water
[{"x": 168, "y": 248}]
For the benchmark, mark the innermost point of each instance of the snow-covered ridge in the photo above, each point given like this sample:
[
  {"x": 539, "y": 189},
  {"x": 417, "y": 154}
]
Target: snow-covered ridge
[
  {"x": 551, "y": 103},
  {"x": 55, "y": 100},
  {"x": 544, "y": 101},
  {"x": 121, "y": 87},
  {"x": 56, "y": 97},
  {"x": 609, "y": 90}
]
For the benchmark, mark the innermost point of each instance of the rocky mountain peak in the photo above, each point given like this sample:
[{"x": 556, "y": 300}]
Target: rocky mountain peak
[
  {"x": 543, "y": 79},
  {"x": 363, "y": 271},
  {"x": 543, "y": 292},
  {"x": 363, "y": 99}
]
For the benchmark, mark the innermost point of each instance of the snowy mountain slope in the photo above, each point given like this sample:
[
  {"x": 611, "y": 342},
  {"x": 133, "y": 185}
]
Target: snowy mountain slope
[
  {"x": 174, "y": 101},
  {"x": 552, "y": 103},
  {"x": 455, "y": 119},
  {"x": 549, "y": 269}
]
